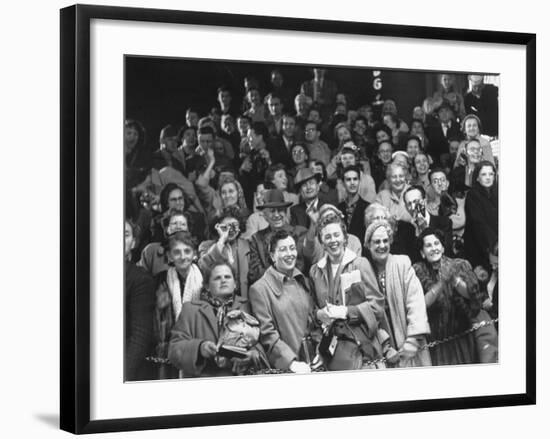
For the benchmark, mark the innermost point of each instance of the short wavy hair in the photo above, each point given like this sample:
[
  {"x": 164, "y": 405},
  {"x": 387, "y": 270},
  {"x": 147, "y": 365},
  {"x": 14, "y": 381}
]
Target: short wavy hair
[
  {"x": 331, "y": 218},
  {"x": 391, "y": 166}
]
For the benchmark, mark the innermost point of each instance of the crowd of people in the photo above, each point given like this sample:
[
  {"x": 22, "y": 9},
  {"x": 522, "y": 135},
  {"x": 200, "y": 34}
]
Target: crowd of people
[{"x": 290, "y": 232}]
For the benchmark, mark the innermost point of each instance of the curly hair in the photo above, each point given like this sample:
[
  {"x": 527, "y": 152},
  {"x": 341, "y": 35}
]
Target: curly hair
[{"x": 176, "y": 212}]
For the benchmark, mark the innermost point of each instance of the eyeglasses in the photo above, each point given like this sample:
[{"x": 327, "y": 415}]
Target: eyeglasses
[{"x": 310, "y": 130}]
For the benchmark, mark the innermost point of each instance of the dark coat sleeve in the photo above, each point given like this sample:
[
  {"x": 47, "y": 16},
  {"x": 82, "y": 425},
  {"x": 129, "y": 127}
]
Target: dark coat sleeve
[
  {"x": 445, "y": 226},
  {"x": 256, "y": 267},
  {"x": 479, "y": 220},
  {"x": 140, "y": 296},
  {"x": 187, "y": 335}
]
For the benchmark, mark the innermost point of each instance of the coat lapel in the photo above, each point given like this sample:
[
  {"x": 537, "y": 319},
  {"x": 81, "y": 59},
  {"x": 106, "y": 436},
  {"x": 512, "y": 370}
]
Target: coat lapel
[{"x": 209, "y": 317}]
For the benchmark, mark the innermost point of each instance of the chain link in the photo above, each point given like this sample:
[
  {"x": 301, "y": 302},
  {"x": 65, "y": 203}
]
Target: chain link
[
  {"x": 474, "y": 328},
  {"x": 158, "y": 360}
]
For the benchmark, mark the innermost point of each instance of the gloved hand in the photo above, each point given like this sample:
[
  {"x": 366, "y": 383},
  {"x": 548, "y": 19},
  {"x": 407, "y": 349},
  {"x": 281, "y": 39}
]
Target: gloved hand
[
  {"x": 409, "y": 348},
  {"x": 299, "y": 367},
  {"x": 323, "y": 316},
  {"x": 338, "y": 311},
  {"x": 208, "y": 349}
]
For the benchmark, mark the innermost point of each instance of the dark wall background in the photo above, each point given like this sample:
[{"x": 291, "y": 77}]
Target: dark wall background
[{"x": 159, "y": 90}]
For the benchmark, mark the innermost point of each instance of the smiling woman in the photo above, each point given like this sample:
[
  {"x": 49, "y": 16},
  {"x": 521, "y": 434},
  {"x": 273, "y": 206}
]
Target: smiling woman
[
  {"x": 348, "y": 301},
  {"x": 453, "y": 301},
  {"x": 281, "y": 301},
  {"x": 181, "y": 283},
  {"x": 405, "y": 308}
]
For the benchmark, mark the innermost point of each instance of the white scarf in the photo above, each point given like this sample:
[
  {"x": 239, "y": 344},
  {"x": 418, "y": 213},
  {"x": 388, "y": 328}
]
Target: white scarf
[{"x": 191, "y": 291}]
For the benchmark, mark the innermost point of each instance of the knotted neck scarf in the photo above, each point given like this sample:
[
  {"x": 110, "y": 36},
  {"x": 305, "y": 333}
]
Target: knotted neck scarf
[{"x": 220, "y": 307}]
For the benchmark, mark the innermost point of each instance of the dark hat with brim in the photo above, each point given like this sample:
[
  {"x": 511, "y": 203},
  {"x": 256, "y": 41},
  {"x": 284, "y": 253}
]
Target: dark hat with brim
[
  {"x": 274, "y": 198},
  {"x": 304, "y": 175}
]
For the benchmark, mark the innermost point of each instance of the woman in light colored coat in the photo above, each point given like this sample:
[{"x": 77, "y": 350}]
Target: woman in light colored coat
[
  {"x": 404, "y": 305},
  {"x": 283, "y": 305},
  {"x": 335, "y": 279}
]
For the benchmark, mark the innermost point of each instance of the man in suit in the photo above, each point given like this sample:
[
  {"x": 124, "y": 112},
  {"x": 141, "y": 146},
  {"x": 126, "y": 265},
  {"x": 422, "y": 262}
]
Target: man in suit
[
  {"x": 415, "y": 203},
  {"x": 440, "y": 133},
  {"x": 308, "y": 184},
  {"x": 353, "y": 207},
  {"x": 274, "y": 120},
  {"x": 279, "y": 147}
]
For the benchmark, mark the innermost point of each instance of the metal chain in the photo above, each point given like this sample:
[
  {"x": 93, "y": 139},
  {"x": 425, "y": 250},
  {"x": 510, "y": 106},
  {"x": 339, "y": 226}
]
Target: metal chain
[
  {"x": 158, "y": 360},
  {"x": 474, "y": 328}
]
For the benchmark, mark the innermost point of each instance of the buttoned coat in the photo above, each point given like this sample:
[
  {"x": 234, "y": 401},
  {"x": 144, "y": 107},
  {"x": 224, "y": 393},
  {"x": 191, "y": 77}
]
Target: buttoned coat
[{"x": 285, "y": 319}]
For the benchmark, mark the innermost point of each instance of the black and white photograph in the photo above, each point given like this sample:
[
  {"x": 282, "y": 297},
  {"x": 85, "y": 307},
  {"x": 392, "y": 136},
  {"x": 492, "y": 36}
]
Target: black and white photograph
[
  {"x": 275, "y": 219},
  {"x": 294, "y": 218}
]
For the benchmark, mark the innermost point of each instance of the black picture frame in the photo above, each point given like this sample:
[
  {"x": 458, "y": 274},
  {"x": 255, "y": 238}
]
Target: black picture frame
[{"x": 75, "y": 217}]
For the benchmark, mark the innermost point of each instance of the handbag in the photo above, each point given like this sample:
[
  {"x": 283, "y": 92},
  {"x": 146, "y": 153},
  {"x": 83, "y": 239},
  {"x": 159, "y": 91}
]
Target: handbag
[{"x": 341, "y": 349}]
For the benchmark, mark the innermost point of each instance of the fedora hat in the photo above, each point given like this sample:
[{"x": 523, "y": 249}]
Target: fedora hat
[
  {"x": 274, "y": 198},
  {"x": 304, "y": 175}
]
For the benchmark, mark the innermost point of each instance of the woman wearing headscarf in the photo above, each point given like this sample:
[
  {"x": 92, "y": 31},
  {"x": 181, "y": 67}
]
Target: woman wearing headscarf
[
  {"x": 215, "y": 335},
  {"x": 404, "y": 299}
]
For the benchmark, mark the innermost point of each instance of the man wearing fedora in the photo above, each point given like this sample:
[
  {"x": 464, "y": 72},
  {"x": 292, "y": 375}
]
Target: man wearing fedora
[
  {"x": 307, "y": 183},
  {"x": 274, "y": 209}
]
